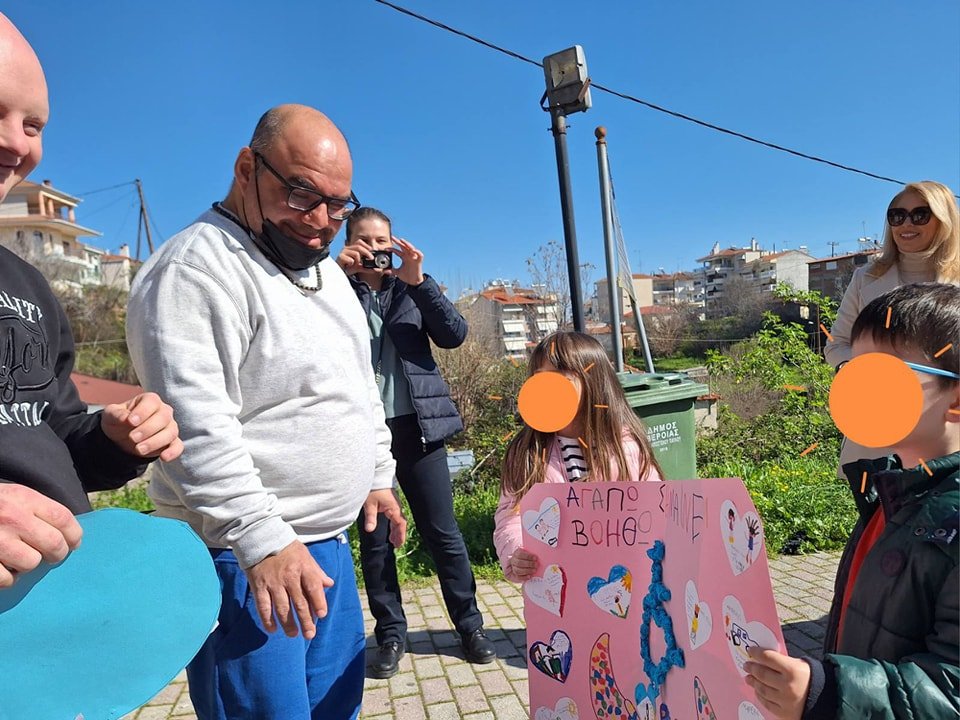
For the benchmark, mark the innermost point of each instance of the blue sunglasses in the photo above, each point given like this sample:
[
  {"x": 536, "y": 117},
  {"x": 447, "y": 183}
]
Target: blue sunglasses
[{"x": 932, "y": 370}]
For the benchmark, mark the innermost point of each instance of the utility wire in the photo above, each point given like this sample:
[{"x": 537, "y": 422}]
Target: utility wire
[
  {"x": 104, "y": 189},
  {"x": 645, "y": 103}
]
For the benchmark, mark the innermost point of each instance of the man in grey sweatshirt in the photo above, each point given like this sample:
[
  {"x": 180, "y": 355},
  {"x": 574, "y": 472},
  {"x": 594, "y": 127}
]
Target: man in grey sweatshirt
[{"x": 253, "y": 333}]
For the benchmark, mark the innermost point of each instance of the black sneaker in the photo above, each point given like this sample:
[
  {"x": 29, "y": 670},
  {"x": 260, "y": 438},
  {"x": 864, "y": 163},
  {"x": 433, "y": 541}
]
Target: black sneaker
[
  {"x": 478, "y": 647},
  {"x": 387, "y": 661}
]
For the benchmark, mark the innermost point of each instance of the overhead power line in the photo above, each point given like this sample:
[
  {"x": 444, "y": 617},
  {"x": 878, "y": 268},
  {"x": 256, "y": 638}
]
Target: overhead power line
[
  {"x": 645, "y": 103},
  {"x": 104, "y": 189}
]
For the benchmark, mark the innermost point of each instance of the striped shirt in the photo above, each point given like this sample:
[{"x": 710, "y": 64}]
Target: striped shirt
[{"x": 574, "y": 461}]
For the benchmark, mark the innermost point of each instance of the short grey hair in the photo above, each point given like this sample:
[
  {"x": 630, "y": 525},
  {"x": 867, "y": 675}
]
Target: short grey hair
[{"x": 268, "y": 130}]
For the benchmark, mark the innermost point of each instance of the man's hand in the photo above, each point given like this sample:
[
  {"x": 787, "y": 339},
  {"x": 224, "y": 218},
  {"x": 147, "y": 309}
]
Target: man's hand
[
  {"x": 32, "y": 528},
  {"x": 411, "y": 262},
  {"x": 351, "y": 257},
  {"x": 385, "y": 501},
  {"x": 143, "y": 426},
  {"x": 523, "y": 564},
  {"x": 290, "y": 578},
  {"x": 780, "y": 682}
]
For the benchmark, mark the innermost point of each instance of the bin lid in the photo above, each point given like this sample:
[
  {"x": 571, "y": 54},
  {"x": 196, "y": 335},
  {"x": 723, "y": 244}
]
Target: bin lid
[{"x": 649, "y": 388}]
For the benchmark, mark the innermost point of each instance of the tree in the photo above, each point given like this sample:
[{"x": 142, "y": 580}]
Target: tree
[
  {"x": 668, "y": 331},
  {"x": 548, "y": 273}
]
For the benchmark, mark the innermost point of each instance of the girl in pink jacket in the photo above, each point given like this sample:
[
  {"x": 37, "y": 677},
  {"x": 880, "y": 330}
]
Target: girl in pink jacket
[{"x": 605, "y": 441}]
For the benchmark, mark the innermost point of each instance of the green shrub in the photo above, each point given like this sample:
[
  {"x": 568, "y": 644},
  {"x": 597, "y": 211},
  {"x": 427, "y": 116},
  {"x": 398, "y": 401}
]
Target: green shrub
[
  {"x": 132, "y": 497},
  {"x": 804, "y": 506}
]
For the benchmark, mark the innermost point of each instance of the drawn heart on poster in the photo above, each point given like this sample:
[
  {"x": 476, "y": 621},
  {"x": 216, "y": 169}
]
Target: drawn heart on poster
[
  {"x": 742, "y": 635},
  {"x": 553, "y": 659},
  {"x": 544, "y": 524},
  {"x": 748, "y": 711},
  {"x": 742, "y": 536},
  {"x": 699, "y": 617},
  {"x": 548, "y": 591},
  {"x": 612, "y": 594},
  {"x": 566, "y": 709},
  {"x": 704, "y": 708}
]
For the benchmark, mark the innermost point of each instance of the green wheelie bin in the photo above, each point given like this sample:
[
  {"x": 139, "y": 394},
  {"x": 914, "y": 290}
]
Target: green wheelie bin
[{"x": 665, "y": 403}]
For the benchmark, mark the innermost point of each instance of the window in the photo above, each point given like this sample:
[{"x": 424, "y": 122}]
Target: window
[{"x": 831, "y": 265}]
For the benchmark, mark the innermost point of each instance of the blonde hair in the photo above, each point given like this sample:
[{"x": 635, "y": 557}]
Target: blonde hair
[
  {"x": 944, "y": 251},
  {"x": 525, "y": 462}
]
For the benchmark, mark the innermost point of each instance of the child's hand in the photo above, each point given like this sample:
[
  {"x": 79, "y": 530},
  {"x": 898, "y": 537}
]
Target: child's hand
[
  {"x": 780, "y": 681},
  {"x": 523, "y": 564}
]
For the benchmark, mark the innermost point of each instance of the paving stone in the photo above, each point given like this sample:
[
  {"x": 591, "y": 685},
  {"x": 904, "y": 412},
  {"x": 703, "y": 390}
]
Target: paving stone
[
  {"x": 520, "y": 687},
  {"x": 471, "y": 700},
  {"x": 508, "y": 707},
  {"x": 409, "y": 708},
  {"x": 168, "y": 695},
  {"x": 427, "y": 667},
  {"x": 443, "y": 711},
  {"x": 495, "y": 682},
  {"x": 479, "y": 716},
  {"x": 157, "y": 712},
  {"x": 435, "y": 690},
  {"x": 403, "y": 684},
  {"x": 461, "y": 675}
]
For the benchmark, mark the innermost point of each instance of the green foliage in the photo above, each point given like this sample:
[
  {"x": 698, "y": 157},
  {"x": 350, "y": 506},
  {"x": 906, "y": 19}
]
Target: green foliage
[
  {"x": 132, "y": 497},
  {"x": 761, "y": 420},
  {"x": 764, "y": 427},
  {"x": 676, "y": 363},
  {"x": 804, "y": 506}
]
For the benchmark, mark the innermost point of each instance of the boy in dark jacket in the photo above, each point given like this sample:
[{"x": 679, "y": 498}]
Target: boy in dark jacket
[{"x": 893, "y": 634}]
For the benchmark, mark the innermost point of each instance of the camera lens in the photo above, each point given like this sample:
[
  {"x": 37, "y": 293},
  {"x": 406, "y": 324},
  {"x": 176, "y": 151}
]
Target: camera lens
[{"x": 382, "y": 261}]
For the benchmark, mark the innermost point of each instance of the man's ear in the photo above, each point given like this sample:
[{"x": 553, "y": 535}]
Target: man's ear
[{"x": 244, "y": 168}]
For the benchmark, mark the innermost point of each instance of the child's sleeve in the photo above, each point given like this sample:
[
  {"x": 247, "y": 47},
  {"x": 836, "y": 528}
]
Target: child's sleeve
[
  {"x": 922, "y": 686},
  {"x": 507, "y": 533}
]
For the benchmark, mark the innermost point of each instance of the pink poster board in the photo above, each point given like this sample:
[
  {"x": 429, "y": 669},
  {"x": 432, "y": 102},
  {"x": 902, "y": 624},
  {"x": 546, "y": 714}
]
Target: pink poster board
[{"x": 584, "y": 610}]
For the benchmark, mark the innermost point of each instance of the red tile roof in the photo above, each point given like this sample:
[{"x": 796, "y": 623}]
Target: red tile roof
[
  {"x": 97, "y": 391},
  {"x": 842, "y": 257}
]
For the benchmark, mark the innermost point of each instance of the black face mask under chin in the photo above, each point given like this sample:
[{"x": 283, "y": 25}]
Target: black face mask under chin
[
  {"x": 281, "y": 249},
  {"x": 285, "y": 251}
]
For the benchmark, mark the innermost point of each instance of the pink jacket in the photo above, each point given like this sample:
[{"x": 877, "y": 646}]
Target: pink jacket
[{"x": 507, "y": 531}]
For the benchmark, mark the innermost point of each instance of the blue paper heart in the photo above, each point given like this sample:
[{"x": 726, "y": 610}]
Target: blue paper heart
[{"x": 109, "y": 627}]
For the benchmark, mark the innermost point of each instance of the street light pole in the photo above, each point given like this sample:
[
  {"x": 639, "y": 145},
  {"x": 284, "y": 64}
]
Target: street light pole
[
  {"x": 559, "y": 130},
  {"x": 568, "y": 91}
]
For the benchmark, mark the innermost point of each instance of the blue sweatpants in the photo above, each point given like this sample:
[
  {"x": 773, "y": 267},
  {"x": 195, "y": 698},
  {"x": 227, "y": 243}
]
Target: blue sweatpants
[{"x": 244, "y": 672}]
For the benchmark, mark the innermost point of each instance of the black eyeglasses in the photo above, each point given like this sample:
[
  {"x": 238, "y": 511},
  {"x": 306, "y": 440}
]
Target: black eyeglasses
[
  {"x": 918, "y": 216},
  {"x": 304, "y": 199}
]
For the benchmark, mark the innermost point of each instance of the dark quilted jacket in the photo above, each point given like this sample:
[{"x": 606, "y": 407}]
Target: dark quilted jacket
[
  {"x": 413, "y": 316},
  {"x": 899, "y": 650}
]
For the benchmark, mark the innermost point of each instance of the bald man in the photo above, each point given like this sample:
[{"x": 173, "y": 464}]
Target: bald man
[
  {"x": 51, "y": 451},
  {"x": 253, "y": 331}
]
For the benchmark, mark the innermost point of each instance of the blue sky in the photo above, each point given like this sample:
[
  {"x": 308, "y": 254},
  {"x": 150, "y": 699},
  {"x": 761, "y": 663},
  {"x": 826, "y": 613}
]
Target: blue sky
[{"x": 448, "y": 137}]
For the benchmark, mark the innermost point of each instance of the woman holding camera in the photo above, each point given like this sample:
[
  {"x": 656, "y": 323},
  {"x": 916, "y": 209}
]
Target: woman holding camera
[{"x": 405, "y": 310}]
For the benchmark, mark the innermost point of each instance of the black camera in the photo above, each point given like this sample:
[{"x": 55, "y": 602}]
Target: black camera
[{"x": 382, "y": 260}]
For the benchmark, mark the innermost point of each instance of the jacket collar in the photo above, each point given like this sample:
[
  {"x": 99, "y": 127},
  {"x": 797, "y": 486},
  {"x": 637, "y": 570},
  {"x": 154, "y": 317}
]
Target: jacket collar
[{"x": 892, "y": 485}]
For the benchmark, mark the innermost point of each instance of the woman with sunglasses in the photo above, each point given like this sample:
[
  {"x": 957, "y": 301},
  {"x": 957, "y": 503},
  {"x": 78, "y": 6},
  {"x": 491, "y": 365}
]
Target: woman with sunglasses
[{"x": 921, "y": 243}]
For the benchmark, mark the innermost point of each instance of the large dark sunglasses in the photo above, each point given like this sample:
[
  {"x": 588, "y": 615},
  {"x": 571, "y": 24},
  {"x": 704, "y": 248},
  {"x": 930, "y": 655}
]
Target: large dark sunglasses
[
  {"x": 918, "y": 216},
  {"x": 304, "y": 199}
]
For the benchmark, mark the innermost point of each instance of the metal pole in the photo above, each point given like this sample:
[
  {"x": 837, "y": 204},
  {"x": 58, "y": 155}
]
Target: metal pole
[
  {"x": 559, "y": 130},
  {"x": 612, "y": 287}
]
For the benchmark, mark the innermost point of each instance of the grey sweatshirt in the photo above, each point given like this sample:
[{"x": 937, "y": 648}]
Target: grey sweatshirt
[{"x": 281, "y": 420}]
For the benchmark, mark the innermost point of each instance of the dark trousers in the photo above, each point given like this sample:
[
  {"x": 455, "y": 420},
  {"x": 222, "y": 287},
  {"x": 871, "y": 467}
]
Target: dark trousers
[{"x": 425, "y": 482}]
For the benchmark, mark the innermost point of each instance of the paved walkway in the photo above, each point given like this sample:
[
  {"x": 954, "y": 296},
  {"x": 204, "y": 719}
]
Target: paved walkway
[{"x": 436, "y": 683}]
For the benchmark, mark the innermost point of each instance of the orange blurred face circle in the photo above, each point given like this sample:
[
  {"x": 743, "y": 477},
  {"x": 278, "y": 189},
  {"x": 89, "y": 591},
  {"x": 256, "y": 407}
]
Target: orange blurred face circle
[
  {"x": 876, "y": 400},
  {"x": 548, "y": 401}
]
